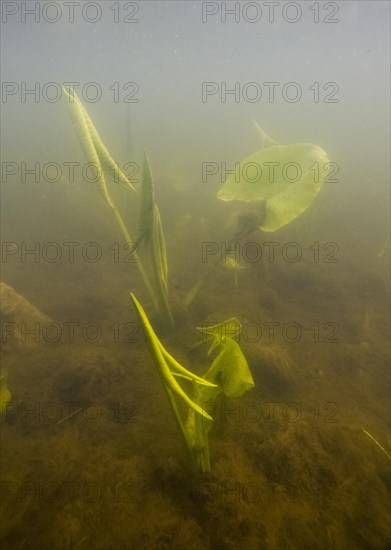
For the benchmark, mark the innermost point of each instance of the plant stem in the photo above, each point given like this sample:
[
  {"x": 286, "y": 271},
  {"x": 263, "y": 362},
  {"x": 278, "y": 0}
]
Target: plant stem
[
  {"x": 201, "y": 445},
  {"x": 377, "y": 443},
  {"x": 180, "y": 424}
]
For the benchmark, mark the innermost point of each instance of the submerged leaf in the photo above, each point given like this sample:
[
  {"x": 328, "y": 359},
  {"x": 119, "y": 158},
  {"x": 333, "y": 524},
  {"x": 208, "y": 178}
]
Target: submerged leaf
[
  {"x": 89, "y": 137},
  {"x": 5, "y": 394},
  {"x": 193, "y": 292},
  {"x": 155, "y": 349},
  {"x": 286, "y": 177},
  {"x": 150, "y": 231},
  {"x": 230, "y": 370},
  {"x": 159, "y": 248},
  {"x": 109, "y": 165},
  {"x": 231, "y": 327},
  {"x": 178, "y": 370},
  {"x": 83, "y": 132},
  {"x": 147, "y": 202}
]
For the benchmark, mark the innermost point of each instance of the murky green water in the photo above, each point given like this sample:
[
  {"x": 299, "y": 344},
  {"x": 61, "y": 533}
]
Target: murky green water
[{"x": 91, "y": 456}]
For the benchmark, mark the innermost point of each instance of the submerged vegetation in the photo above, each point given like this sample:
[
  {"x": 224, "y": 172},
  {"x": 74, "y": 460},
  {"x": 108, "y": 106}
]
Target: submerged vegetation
[
  {"x": 195, "y": 314},
  {"x": 150, "y": 227},
  {"x": 295, "y": 174},
  {"x": 290, "y": 454},
  {"x": 282, "y": 198},
  {"x": 5, "y": 394},
  {"x": 229, "y": 372}
]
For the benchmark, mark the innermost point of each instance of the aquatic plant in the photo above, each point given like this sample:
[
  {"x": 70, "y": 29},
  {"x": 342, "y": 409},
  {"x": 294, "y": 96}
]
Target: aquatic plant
[
  {"x": 377, "y": 444},
  {"x": 5, "y": 394},
  {"x": 150, "y": 231},
  {"x": 229, "y": 373},
  {"x": 234, "y": 266},
  {"x": 279, "y": 199},
  {"x": 150, "y": 228},
  {"x": 283, "y": 179}
]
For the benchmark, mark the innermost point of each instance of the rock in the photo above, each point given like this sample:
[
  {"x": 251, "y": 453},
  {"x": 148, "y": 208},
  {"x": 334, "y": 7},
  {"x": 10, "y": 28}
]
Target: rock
[{"x": 18, "y": 315}]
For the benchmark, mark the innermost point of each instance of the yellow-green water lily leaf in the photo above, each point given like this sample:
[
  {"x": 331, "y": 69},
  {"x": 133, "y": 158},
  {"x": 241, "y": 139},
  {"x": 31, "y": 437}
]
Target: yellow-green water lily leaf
[
  {"x": 230, "y": 370},
  {"x": 286, "y": 178}
]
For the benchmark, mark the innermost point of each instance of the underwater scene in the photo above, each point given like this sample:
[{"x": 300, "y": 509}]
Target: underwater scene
[{"x": 195, "y": 261}]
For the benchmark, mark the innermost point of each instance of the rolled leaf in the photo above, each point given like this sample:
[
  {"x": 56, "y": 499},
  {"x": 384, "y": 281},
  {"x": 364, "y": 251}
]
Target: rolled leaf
[
  {"x": 178, "y": 370},
  {"x": 159, "y": 249},
  {"x": 162, "y": 246},
  {"x": 154, "y": 347},
  {"x": 147, "y": 204},
  {"x": 83, "y": 132},
  {"x": 109, "y": 165}
]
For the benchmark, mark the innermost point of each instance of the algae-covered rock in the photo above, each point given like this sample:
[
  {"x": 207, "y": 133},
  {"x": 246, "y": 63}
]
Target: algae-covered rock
[{"x": 18, "y": 318}]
